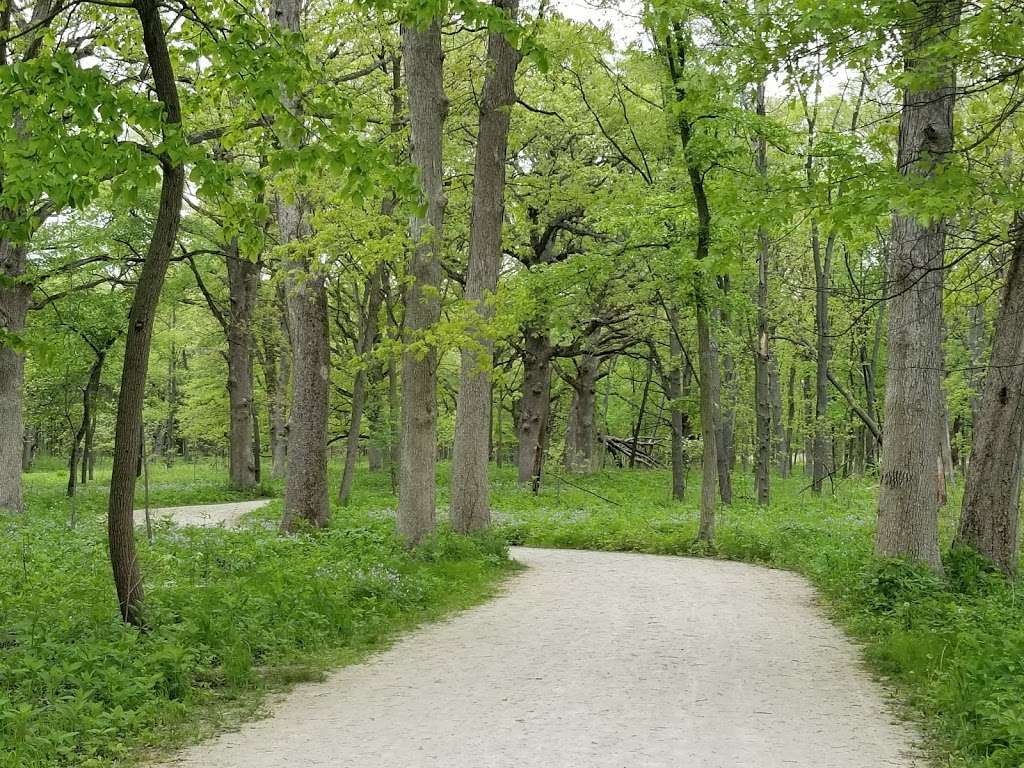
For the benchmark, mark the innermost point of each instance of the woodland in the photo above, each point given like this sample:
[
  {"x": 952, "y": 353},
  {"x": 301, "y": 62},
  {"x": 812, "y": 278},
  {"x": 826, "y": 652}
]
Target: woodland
[{"x": 729, "y": 279}]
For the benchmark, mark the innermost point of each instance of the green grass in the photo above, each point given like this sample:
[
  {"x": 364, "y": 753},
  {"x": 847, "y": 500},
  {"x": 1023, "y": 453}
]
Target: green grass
[
  {"x": 236, "y": 613},
  {"x": 232, "y": 614}
]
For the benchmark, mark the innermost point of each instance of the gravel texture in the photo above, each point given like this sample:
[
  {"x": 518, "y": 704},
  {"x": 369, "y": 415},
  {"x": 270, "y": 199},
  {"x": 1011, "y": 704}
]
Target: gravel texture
[{"x": 596, "y": 660}]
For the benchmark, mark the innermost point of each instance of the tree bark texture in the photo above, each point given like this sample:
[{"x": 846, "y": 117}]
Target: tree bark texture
[
  {"x": 305, "y": 492},
  {"x": 581, "y": 454},
  {"x": 534, "y": 402},
  {"x": 14, "y": 301},
  {"x": 908, "y": 503},
  {"x": 428, "y": 109},
  {"x": 990, "y": 514},
  {"x": 243, "y": 282}
]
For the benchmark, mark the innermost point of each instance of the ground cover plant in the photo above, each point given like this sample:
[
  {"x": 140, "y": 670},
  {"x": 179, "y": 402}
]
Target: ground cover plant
[{"x": 232, "y": 614}]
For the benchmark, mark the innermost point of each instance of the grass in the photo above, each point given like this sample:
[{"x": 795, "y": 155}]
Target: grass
[
  {"x": 233, "y": 614},
  {"x": 237, "y": 613}
]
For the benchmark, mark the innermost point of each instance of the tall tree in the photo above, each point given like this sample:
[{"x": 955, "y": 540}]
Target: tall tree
[
  {"x": 908, "y": 503},
  {"x": 990, "y": 515},
  {"x": 305, "y": 494},
  {"x": 470, "y": 508},
  {"x": 128, "y": 428},
  {"x": 428, "y": 108},
  {"x": 675, "y": 52}
]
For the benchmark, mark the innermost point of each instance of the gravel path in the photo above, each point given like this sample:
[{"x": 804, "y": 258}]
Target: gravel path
[
  {"x": 596, "y": 660},
  {"x": 204, "y": 516}
]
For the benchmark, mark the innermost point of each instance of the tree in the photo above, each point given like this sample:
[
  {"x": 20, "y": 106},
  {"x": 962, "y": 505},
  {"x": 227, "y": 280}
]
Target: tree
[
  {"x": 908, "y": 502},
  {"x": 469, "y": 493},
  {"x": 428, "y": 108},
  {"x": 990, "y": 514},
  {"x": 305, "y": 496},
  {"x": 128, "y": 428}
]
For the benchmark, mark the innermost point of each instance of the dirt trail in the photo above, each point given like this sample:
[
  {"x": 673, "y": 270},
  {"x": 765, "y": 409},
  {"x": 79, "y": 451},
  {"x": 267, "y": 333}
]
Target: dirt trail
[
  {"x": 596, "y": 660},
  {"x": 204, "y": 516}
]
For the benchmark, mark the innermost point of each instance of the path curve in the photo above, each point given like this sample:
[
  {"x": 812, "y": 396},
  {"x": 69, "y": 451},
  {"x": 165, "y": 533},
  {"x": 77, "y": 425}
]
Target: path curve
[
  {"x": 203, "y": 515},
  {"x": 596, "y": 660}
]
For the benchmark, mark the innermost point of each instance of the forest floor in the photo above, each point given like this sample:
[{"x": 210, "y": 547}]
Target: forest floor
[{"x": 598, "y": 659}]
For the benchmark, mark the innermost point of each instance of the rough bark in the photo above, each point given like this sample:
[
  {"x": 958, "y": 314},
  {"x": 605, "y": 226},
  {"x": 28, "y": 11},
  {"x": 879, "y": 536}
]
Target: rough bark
[
  {"x": 78, "y": 440},
  {"x": 128, "y": 426},
  {"x": 581, "y": 454},
  {"x": 14, "y": 301},
  {"x": 990, "y": 514},
  {"x": 243, "y": 282},
  {"x": 428, "y": 109},
  {"x": 305, "y": 492},
  {"x": 470, "y": 509},
  {"x": 534, "y": 402},
  {"x": 908, "y": 503}
]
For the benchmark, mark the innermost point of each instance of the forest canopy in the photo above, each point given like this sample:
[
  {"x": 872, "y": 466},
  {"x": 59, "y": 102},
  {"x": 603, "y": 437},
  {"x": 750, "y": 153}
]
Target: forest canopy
[{"x": 778, "y": 233}]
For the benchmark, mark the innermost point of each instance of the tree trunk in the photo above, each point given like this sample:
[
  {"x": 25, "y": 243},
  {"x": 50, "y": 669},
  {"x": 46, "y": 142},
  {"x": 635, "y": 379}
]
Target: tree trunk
[
  {"x": 822, "y": 458},
  {"x": 638, "y": 425},
  {"x": 990, "y": 515},
  {"x": 908, "y": 503},
  {"x": 128, "y": 426},
  {"x": 30, "y": 443},
  {"x": 786, "y": 451},
  {"x": 534, "y": 402},
  {"x": 428, "y": 108},
  {"x": 305, "y": 492},
  {"x": 88, "y": 449},
  {"x": 79, "y": 438},
  {"x": 14, "y": 300},
  {"x": 581, "y": 454},
  {"x": 470, "y": 509},
  {"x": 243, "y": 282}
]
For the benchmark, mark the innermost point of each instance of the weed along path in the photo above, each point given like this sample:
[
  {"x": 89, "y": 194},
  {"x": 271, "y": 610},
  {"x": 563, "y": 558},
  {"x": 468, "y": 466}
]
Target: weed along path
[
  {"x": 596, "y": 660},
  {"x": 204, "y": 515}
]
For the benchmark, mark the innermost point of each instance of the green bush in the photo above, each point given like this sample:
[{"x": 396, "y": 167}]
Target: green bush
[{"x": 231, "y": 613}]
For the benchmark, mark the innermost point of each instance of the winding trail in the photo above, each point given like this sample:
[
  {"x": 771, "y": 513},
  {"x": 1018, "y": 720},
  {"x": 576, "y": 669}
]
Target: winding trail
[{"x": 596, "y": 660}]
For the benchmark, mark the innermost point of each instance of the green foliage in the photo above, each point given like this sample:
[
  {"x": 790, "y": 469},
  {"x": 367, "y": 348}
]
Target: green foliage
[{"x": 232, "y": 613}]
